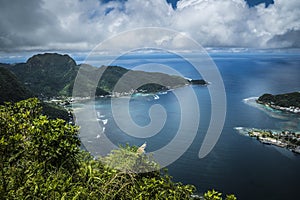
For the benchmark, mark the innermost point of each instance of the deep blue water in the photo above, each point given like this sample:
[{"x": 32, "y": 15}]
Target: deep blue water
[{"x": 237, "y": 164}]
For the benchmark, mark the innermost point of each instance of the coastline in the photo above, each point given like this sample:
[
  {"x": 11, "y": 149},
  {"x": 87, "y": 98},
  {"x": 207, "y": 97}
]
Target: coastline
[
  {"x": 288, "y": 102},
  {"x": 291, "y": 109},
  {"x": 280, "y": 138},
  {"x": 72, "y": 104},
  {"x": 288, "y": 138},
  {"x": 67, "y": 100}
]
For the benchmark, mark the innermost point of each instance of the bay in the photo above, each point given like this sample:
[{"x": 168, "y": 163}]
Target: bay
[{"x": 237, "y": 164}]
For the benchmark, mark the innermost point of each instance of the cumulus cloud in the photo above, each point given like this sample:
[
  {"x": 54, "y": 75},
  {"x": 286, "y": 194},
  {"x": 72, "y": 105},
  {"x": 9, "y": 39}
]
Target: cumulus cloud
[
  {"x": 80, "y": 25},
  {"x": 291, "y": 38},
  {"x": 233, "y": 23}
]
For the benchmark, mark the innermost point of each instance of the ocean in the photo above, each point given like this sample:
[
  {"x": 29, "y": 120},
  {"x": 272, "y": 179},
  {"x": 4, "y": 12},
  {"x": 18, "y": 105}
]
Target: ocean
[{"x": 236, "y": 164}]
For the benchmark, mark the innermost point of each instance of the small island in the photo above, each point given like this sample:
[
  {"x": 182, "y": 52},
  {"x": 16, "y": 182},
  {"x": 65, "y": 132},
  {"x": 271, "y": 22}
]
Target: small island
[
  {"x": 285, "y": 139},
  {"x": 289, "y": 102},
  {"x": 197, "y": 82}
]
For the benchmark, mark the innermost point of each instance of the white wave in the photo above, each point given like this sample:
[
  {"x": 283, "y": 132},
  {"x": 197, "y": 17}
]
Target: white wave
[
  {"x": 242, "y": 130},
  {"x": 250, "y": 99},
  {"x": 104, "y": 121},
  {"x": 162, "y": 93},
  {"x": 99, "y": 115}
]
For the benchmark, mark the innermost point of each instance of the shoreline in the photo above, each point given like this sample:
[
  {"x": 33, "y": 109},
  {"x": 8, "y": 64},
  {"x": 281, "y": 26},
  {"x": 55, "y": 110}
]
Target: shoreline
[
  {"x": 291, "y": 109},
  {"x": 287, "y": 102},
  {"x": 67, "y": 100},
  {"x": 281, "y": 138}
]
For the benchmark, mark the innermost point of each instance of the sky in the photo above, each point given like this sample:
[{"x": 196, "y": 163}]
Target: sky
[{"x": 79, "y": 25}]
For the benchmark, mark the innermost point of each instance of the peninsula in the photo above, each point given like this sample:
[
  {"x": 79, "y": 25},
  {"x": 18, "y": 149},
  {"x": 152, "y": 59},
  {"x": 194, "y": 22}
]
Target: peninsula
[
  {"x": 52, "y": 75},
  {"x": 284, "y": 139}
]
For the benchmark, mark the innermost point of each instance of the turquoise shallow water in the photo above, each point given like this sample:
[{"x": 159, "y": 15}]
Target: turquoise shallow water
[{"x": 237, "y": 164}]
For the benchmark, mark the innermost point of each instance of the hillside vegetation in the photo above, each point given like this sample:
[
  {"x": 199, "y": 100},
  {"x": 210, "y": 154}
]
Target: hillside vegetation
[
  {"x": 47, "y": 75},
  {"x": 11, "y": 89}
]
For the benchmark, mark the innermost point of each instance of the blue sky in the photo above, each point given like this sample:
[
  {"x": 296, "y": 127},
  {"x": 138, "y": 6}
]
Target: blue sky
[
  {"x": 249, "y": 2},
  {"x": 79, "y": 25}
]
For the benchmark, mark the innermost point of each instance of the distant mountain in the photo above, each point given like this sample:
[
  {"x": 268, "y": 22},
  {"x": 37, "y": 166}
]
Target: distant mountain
[
  {"x": 115, "y": 79},
  {"x": 11, "y": 89},
  {"x": 147, "y": 82},
  {"x": 51, "y": 74},
  {"x": 47, "y": 75}
]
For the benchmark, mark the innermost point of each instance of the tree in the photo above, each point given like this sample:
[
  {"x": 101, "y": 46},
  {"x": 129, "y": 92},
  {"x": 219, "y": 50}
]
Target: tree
[
  {"x": 31, "y": 144},
  {"x": 215, "y": 195}
]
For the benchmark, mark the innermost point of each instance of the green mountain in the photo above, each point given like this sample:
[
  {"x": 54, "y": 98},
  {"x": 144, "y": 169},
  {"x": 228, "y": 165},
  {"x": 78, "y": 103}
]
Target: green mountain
[
  {"x": 115, "y": 79},
  {"x": 147, "y": 82},
  {"x": 47, "y": 75},
  {"x": 11, "y": 89},
  {"x": 51, "y": 74}
]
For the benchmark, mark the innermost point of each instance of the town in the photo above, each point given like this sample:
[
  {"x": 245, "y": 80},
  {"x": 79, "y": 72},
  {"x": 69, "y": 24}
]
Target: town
[{"x": 285, "y": 139}]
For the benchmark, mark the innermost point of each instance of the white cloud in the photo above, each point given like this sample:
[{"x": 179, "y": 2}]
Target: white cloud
[
  {"x": 233, "y": 23},
  {"x": 78, "y": 25}
]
